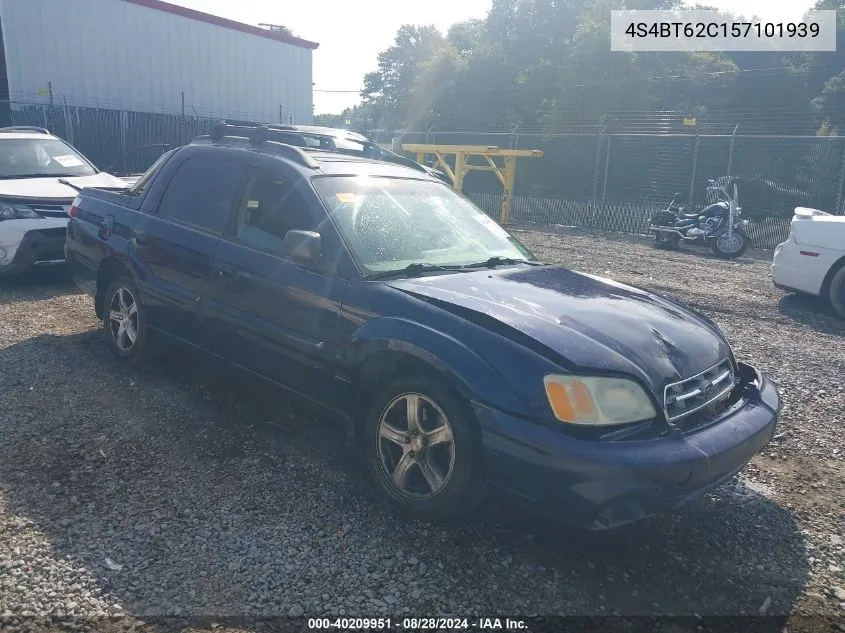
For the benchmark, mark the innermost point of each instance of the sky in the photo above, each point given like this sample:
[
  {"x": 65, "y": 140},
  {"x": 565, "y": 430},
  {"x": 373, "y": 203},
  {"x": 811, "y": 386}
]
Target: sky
[{"x": 352, "y": 34}]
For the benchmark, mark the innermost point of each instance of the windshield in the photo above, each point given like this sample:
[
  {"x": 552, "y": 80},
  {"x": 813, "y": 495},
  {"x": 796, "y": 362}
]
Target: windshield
[
  {"x": 37, "y": 157},
  {"x": 390, "y": 224}
]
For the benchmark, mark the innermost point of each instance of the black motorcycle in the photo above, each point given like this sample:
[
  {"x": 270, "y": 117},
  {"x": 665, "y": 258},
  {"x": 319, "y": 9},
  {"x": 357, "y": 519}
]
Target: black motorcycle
[{"x": 719, "y": 225}]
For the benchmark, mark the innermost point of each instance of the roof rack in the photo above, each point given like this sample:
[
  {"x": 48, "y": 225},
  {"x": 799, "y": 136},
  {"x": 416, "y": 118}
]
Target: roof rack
[
  {"x": 25, "y": 128},
  {"x": 272, "y": 126},
  {"x": 260, "y": 135},
  {"x": 327, "y": 141},
  {"x": 263, "y": 132}
]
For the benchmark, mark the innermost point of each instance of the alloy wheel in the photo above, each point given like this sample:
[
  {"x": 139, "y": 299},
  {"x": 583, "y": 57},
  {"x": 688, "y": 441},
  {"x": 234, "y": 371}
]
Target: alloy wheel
[
  {"x": 123, "y": 319},
  {"x": 416, "y": 447}
]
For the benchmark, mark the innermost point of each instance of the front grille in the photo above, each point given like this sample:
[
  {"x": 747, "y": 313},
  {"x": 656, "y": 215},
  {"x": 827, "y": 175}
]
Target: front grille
[{"x": 694, "y": 394}]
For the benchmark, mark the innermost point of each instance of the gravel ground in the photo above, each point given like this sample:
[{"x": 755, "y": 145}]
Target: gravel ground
[{"x": 182, "y": 489}]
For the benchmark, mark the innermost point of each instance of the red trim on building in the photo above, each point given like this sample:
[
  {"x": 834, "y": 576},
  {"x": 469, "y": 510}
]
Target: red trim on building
[{"x": 218, "y": 21}]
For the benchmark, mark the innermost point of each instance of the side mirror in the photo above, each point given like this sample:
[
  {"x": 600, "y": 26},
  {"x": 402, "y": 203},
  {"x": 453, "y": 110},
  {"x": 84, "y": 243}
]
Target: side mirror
[{"x": 304, "y": 247}]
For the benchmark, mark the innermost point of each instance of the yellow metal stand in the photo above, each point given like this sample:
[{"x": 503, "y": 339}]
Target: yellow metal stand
[{"x": 506, "y": 173}]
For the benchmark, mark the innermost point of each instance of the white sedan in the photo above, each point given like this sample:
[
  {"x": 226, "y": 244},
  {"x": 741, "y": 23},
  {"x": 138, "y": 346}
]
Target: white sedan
[{"x": 812, "y": 259}]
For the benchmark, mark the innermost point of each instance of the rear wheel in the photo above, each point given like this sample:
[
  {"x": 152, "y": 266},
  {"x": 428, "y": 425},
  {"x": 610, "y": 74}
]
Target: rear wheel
[
  {"x": 662, "y": 239},
  {"x": 730, "y": 247},
  {"x": 666, "y": 240},
  {"x": 423, "y": 450},
  {"x": 836, "y": 294},
  {"x": 124, "y": 321}
]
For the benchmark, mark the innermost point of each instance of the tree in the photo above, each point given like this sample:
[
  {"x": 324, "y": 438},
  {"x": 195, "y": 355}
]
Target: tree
[
  {"x": 830, "y": 104},
  {"x": 545, "y": 65},
  {"x": 388, "y": 89},
  {"x": 278, "y": 28},
  {"x": 466, "y": 37}
]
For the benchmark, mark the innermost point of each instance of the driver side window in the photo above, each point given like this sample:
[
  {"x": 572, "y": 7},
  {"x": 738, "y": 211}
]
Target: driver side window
[{"x": 271, "y": 207}]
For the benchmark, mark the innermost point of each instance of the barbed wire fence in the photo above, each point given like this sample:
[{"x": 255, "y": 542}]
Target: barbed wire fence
[
  {"x": 594, "y": 177},
  {"x": 111, "y": 136},
  {"x": 616, "y": 181}
]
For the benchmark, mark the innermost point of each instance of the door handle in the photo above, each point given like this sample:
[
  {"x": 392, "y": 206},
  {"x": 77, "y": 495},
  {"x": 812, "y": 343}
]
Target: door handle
[{"x": 227, "y": 273}]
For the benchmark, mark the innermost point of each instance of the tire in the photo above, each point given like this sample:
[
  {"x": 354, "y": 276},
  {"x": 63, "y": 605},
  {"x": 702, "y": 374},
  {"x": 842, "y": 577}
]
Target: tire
[
  {"x": 441, "y": 480},
  {"x": 836, "y": 293},
  {"x": 664, "y": 240},
  {"x": 122, "y": 300},
  {"x": 668, "y": 241},
  {"x": 730, "y": 253}
]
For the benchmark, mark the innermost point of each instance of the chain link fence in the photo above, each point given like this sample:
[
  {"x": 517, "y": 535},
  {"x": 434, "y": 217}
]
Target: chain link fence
[
  {"x": 115, "y": 140},
  {"x": 599, "y": 181},
  {"x": 616, "y": 182}
]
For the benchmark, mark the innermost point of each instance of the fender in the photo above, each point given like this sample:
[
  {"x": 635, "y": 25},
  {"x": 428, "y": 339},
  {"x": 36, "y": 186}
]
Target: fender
[
  {"x": 119, "y": 251},
  {"x": 124, "y": 251},
  {"x": 741, "y": 230},
  {"x": 470, "y": 374}
]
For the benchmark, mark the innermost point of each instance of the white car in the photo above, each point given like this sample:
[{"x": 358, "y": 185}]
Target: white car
[
  {"x": 812, "y": 259},
  {"x": 40, "y": 175}
]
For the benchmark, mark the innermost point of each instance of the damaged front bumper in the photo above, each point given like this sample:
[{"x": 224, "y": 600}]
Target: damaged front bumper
[
  {"x": 27, "y": 244},
  {"x": 602, "y": 485}
]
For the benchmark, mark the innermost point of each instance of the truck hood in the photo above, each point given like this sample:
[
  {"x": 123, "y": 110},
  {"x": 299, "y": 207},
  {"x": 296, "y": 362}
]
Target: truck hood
[
  {"x": 593, "y": 323},
  {"x": 50, "y": 187}
]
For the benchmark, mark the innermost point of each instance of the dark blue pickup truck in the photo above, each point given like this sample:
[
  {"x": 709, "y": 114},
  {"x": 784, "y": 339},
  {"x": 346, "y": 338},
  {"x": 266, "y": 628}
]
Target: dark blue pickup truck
[{"x": 460, "y": 362}]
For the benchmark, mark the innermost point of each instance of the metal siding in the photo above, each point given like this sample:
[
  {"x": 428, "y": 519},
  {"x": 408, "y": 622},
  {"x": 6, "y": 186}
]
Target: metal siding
[{"x": 136, "y": 58}]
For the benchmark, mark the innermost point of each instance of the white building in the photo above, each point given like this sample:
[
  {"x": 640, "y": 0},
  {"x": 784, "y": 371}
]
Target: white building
[{"x": 151, "y": 56}]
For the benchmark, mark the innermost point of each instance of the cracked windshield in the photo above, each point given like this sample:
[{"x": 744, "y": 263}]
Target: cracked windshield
[{"x": 391, "y": 223}]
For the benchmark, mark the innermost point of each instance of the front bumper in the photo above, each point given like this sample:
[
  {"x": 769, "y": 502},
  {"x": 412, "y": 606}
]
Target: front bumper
[
  {"x": 607, "y": 484},
  {"x": 26, "y": 244}
]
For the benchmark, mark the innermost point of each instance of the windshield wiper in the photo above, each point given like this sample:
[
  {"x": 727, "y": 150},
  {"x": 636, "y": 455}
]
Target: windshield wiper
[
  {"x": 22, "y": 176},
  {"x": 412, "y": 270},
  {"x": 500, "y": 261},
  {"x": 65, "y": 181}
]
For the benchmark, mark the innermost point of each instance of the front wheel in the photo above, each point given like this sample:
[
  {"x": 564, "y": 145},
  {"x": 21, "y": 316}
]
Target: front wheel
[
  {"x": 836, "y": 294},
  {"x": 423, "y": 449},
  {"x": 730, "y": 247}
]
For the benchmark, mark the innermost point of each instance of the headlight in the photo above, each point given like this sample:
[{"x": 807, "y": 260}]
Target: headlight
[
  {"x": 17, "y": 212},
  {"x": 597, "y": 401}
]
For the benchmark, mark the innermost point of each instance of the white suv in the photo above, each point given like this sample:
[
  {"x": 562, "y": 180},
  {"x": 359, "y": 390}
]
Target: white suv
[{"x": 40, "y": 175}]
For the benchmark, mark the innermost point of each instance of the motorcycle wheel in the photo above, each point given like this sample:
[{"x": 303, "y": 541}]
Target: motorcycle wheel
[
  {"x": 666, "y": 240},
  {"x": 730, "y": 247}
]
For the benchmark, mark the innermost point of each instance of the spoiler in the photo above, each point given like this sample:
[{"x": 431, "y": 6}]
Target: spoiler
[{"x": 805, "y": 212}]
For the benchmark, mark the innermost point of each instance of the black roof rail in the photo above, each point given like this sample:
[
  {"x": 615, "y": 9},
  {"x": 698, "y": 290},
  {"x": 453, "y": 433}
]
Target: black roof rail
[
  {"x": 25, "y": 128},
  {"x": 272, "y": 126},
  {"x": 260, "y": 135},
  {"x": 286, "y": 131}
]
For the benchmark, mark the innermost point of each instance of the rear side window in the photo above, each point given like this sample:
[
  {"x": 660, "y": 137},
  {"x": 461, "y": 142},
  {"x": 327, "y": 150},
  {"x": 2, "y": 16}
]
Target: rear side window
[{"x": 201, "y": 194}]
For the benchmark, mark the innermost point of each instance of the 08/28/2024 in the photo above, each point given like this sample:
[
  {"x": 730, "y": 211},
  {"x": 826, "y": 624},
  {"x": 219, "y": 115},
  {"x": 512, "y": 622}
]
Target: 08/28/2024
[{"x": 412, "y": 624}]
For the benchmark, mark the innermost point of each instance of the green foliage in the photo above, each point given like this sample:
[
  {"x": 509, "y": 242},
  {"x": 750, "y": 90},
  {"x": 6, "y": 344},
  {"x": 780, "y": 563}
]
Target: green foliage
[{"x": 546, "y": 66}]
